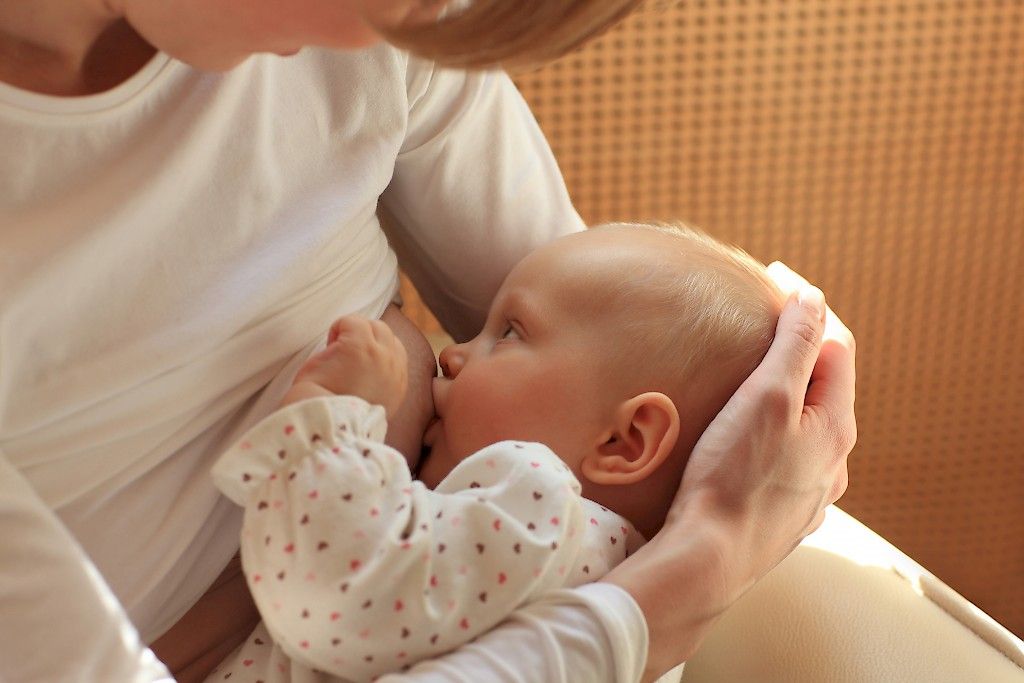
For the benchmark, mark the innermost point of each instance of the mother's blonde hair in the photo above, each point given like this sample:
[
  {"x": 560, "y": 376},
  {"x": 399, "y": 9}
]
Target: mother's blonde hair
[{"x": 510, "y": 33}]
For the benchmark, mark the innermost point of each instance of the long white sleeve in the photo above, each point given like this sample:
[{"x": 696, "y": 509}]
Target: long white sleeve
[
  {"x": 476, "y": 187},
  {"x": 593, "y": 633},
  {"x": 50, "y": 587}
]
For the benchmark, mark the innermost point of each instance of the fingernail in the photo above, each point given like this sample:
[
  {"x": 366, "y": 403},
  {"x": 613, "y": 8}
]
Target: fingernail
[{"x": 811, "y": 297}]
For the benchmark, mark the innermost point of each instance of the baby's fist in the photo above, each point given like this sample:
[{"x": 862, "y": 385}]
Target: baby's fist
[{"x": 363, "y": 358}]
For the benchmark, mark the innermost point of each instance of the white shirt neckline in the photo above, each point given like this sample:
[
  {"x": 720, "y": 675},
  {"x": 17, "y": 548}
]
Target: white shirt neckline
[{"x": 28, "y": 101}]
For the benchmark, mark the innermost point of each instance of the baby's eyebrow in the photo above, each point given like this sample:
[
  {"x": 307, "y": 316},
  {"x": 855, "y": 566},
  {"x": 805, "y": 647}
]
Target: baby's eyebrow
[
  {"x": 517, "y": 305},
  {"x": 513, "y": 299}
]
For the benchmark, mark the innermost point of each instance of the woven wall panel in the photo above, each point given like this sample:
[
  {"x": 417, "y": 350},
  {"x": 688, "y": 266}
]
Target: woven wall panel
[{"x": 878, "y": 148}]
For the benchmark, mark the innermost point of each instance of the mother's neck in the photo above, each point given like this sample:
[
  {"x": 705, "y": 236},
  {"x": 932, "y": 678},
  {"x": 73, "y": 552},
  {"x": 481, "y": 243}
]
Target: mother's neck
[{"x": 68, "y": 47}]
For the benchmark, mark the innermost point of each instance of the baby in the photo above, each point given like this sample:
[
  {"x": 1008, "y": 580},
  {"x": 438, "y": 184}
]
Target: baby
[{"x": 561, "y": 435}]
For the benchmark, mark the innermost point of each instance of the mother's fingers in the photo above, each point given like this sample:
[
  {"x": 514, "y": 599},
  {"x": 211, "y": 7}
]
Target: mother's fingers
[
  {"x": 834, "y": 376},
  {"x": 787, "y": 279},
  {"x": 831, "y": 394},
  {"x": 790, "y": 360}
]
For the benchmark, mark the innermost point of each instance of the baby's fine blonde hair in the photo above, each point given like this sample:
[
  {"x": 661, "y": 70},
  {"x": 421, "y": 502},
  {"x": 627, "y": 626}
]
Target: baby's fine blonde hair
[{"x": 707, "y": 310}]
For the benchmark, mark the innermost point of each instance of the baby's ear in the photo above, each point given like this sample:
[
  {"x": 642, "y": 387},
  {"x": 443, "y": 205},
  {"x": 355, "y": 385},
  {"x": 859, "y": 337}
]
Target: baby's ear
[{"x": 643, "y": 434}]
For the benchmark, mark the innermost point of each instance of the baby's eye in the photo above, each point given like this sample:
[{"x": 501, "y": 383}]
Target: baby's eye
[{"x": 510, "y": 334}]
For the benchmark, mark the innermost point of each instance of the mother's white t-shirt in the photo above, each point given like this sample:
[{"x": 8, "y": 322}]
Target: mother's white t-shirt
[{"x": 172, "y": 249}]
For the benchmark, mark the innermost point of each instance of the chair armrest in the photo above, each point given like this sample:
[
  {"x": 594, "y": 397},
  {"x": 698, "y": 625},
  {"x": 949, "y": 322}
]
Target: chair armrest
[{"x": 848, "y": 607}]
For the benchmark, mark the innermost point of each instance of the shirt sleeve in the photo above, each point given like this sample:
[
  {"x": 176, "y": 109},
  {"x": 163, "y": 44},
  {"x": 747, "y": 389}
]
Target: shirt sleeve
[
  {"x": 60, "y": 621},
  {"x": 593, "y": 633},
  {"x": 475, "y": 188},
  {"x": 358, "y": 571}
]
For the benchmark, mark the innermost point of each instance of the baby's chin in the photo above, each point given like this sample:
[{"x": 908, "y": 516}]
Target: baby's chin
[{"x": 431, "y": 470}]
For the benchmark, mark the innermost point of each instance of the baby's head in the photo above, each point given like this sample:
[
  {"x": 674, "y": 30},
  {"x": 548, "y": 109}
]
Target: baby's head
[{"x": 615, "y": 347}]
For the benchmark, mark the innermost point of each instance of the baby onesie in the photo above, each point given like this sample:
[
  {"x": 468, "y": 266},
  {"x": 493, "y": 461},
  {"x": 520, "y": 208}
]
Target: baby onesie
[{"x": 359, "y": 571}]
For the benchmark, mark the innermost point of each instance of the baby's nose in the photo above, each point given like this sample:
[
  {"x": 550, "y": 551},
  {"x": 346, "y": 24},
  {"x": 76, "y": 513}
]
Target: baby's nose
[{"x": 451, "y": 360}]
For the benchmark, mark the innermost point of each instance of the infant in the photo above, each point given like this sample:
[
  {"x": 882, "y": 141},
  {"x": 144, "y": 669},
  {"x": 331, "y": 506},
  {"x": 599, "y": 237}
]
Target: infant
[{"x": 561, "y": 436}]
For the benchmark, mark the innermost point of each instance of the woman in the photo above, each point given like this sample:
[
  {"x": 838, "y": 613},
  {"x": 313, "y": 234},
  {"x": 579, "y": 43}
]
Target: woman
[{"x": 181, "y": 212}]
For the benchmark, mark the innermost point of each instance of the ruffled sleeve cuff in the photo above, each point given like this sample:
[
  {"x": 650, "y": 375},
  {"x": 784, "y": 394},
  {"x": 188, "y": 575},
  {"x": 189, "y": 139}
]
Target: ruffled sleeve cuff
[{"x": 292, "y": 433}]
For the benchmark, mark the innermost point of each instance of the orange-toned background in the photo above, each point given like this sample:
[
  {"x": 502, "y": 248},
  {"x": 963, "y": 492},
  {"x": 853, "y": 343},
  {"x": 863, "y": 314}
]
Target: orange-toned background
[{"x": 878, "y": 148}]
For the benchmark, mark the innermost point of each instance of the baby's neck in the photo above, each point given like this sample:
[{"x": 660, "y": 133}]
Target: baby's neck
[{"x": 634, "y": 502}]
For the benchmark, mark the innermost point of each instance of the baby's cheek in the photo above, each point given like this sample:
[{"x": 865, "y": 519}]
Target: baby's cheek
[{"x": 467, "y": 413}]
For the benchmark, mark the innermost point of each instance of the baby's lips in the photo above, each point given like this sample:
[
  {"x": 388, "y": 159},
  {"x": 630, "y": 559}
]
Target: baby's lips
[{"x": 438, "y": 390}]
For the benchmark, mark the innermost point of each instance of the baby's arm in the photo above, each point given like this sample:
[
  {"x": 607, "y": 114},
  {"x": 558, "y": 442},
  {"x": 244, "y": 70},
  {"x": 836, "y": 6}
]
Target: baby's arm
[{"x": 359, "y": 571}]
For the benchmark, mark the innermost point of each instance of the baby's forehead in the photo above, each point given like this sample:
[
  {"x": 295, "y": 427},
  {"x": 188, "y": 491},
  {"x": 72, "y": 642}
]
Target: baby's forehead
[
  {"x": 607, "y": 253},
  {"x": 604, "y": 271}
]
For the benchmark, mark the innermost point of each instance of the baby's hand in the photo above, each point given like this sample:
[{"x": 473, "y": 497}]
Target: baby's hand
[{"x": 363, "y": 358}]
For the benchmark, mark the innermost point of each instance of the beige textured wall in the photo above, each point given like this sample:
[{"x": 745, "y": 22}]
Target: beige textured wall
[{"x": 878, "y": 148}]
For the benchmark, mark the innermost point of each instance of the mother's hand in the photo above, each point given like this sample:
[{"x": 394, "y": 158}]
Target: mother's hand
[{"x": 758, "y": 480}]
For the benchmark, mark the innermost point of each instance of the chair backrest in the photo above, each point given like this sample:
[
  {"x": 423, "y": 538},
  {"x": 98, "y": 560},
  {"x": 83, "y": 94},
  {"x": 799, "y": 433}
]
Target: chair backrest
[{"x": 878, "y": 148}]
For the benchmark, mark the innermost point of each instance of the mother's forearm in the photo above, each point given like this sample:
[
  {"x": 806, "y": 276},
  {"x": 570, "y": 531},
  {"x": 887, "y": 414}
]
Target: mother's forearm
[
  {"x": 682, "y": 580},
  {"x": 406, "y": 426},
  {"x": 215, "y": 625}
]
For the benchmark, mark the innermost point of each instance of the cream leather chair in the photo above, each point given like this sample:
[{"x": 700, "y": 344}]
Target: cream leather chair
[{"x": 848, "y": 607}]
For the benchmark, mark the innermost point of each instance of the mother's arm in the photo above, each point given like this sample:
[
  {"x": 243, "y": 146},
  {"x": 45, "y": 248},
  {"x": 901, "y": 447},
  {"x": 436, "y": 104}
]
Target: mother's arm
[
  {"x": 757, "y": 483},
  {"x": 58, "y": 621}
]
